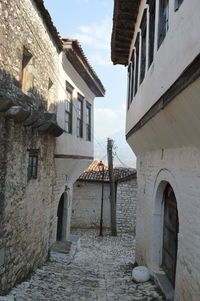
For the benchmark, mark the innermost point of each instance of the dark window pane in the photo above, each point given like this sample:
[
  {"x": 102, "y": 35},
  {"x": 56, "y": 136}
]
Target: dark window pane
[
  {"x": 88, "y": 123},
  {"x": 79, "y": 118},
  {"x": 163, "y": 20},
  {"x": 137, "y": 63},
  {"x": 32, "y": 164},
  {"x": 151, "y": 30},
  {"x": 132, "y": 76},
  {"x": 143, "y": 47}
]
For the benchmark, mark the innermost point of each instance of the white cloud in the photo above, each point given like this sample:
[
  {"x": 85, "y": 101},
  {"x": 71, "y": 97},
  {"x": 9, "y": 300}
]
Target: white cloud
[
  {"x": 96, "y": 36},
  {"x": 99, "y": 59},
  {"x": 108, "y": 121},
  {"x": 84, "y": 38}
]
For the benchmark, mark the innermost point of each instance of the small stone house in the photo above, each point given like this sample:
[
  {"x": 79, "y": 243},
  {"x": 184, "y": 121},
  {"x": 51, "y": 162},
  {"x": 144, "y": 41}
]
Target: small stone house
[
  {"x": 86, "y": 207},
  {"x": 31, "y": 127},
  {"x": 159, "y": 42}
]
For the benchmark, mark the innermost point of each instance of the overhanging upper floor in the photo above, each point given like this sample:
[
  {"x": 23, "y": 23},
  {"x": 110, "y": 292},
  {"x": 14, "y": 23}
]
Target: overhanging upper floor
[{"x": 163, "y": 58}]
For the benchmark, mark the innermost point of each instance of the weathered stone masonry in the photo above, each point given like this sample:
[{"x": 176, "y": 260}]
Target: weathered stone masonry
[
  {"x": 86, "y": 208},
  {"x": 126, "y": 205},
  {"x": 25, "y": 204}
]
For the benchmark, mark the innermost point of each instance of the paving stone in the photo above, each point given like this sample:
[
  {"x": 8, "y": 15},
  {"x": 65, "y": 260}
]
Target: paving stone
[{"x": 100, "y": 271}]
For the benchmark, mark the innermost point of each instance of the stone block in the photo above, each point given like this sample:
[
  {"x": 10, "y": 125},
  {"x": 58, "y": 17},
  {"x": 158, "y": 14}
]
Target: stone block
[
  {"x": 2, "y": 256},
  {"x": 31, "y": 119},
  {"x": 17, "y": 113},
  {"x": 5, "y": 103}
]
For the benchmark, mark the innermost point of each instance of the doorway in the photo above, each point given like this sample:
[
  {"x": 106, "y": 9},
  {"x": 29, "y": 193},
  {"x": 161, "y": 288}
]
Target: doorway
[
  {"x": 170, "y": 234},
  {"x": 60, "y": 218}
]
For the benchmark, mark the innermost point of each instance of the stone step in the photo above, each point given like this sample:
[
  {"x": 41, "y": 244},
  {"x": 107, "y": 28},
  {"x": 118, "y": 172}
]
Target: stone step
[{"x": 65, "y": 250}]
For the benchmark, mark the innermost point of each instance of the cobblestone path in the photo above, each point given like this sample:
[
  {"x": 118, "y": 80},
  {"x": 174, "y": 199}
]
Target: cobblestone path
[{"x": 100, "y": 270}]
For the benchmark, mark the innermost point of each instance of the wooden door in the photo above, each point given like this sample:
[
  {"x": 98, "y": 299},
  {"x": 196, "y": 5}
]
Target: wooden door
[{"x": 170, "y": 234}]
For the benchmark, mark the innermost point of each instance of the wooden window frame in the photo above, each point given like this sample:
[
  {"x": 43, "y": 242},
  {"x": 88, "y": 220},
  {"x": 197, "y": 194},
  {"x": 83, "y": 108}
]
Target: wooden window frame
[
  {"x": 33, "y": 164},
  {"x": 132, "y": 75},
  {"x": 152, "y": 24},
  {"x": 163, "y": 23},
  {"x": 143, "y": 59},
  {"x": 80, "y": 116},
  {"x": 129, "y": 85},
  {"x": 88, "y": 122},
  {"x": 68, "y": 121},
  {"x": 68, "y": 112},
  {"x": 137, "y": 52}
]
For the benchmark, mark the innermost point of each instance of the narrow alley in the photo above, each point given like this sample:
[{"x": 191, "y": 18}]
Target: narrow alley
[{"x": 100, "y": 270}]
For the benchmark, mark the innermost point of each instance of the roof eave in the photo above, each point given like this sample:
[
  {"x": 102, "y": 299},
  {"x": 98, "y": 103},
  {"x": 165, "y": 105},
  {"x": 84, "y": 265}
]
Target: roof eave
[
  {"x": 49, "y": 23},
  {"x": 77, "y": 58},
  {"x": 124, "y": 19}
]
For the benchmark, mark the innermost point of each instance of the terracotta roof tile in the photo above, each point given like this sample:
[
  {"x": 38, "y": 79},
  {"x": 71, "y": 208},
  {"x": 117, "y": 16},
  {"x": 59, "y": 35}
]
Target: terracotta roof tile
[
  {"x": 92, "y": 173},
  {"x": 78, "y": 59}
]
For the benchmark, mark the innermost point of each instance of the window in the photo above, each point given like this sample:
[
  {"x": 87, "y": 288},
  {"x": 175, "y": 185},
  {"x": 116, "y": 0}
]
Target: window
[
  {"x": 27, "y": 78},
  {"x": 137, "y": 63},
  {"x": 143, "y": 47},
  {"x": 132, "y": 74},
  {"x": 33, "y": 164},
  {"x": 163, "y": 20},
  {"x": 131, "y": 79},
  {"x": 178, "y": 4},
  {"x": 129, "y": 85},
  {"x": 152, "y": 8},
  {"x": 68, "y": 107},
  {"x": 80, "y": 116},
  {"x": 88, "y": 122},
  {"x": 68, "y": 112}
]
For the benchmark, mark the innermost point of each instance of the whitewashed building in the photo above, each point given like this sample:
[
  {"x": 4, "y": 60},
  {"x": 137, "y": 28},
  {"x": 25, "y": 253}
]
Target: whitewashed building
[
  {"x": 78, "y": 86},
  {"x": 159, "y": 41}
]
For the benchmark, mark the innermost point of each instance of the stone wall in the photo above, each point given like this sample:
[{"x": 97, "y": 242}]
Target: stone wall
[
  {"x": 25, "y": 204},
  {"x": 180, "y": 168},
  {"x": 86, "y": 205},
  {"x": 126, "y": 206}
]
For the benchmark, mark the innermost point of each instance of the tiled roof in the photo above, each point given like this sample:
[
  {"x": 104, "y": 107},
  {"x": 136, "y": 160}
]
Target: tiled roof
[
  {"x": 92, "y": 173},
  {"x": 79, "y": 61}
]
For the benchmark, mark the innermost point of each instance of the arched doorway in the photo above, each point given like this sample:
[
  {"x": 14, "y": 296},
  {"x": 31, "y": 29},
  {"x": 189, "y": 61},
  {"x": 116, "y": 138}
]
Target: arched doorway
[
  {"x": 60, "y": 218},
  {"x": 170, "y": 234}
]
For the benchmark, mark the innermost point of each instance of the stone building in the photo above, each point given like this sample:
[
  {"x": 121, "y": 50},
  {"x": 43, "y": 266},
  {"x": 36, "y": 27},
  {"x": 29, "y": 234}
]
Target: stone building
[
  {"x": 159, "y": 41},
  {"x": 86, "y": 207},
  {"x": 30, "y": 53}
]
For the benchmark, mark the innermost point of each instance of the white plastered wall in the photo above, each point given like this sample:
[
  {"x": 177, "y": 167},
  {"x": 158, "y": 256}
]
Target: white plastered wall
[
  {"x": 179, "y": 167},
  {"x": 179, "y": 48}
]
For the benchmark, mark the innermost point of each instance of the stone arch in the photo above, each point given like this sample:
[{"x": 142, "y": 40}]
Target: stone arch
[{"x": 164, "y": 178}]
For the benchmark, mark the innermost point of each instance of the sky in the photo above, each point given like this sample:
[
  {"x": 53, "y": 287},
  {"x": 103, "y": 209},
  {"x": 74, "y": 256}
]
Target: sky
[{"x": 90, "y": 21}]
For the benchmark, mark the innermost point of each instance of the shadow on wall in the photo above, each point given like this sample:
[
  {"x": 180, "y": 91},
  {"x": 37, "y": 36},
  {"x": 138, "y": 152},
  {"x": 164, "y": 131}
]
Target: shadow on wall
[
  {"x": 11, "y": 87},
  {"x": 30, "y": 108}
]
